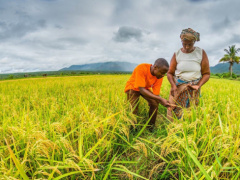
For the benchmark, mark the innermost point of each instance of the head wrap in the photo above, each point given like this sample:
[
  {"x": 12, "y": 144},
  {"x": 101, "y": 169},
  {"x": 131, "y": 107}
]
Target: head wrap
[{"x": 190, "y": 34}]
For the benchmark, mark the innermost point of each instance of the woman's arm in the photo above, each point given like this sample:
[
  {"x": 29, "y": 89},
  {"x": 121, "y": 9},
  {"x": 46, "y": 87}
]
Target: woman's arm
[
  {"x": 171, "y": 73},
  {"x": 205, "y": 71}
]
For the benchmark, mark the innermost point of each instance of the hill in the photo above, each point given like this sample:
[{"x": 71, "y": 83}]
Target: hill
[
  {"x": 103, "y": 66},
  {"x": 118, "y": 66},
  {"x": 224, "y": 67}
]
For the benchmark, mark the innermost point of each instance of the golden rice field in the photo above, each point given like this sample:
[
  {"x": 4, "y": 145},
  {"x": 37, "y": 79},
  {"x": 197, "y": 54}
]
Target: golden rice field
[{"x": 79, "y": 128}]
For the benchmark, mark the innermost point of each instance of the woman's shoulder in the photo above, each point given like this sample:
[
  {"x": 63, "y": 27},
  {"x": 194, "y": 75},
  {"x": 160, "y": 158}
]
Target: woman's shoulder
[
  {"x": 178, "y": 51},
  {"x": 198, "y": 48}
]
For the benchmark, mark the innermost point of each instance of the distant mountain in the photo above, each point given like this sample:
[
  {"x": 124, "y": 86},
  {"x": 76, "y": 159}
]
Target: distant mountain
[
  {"x": 224, "y": 67},
  {"x": 103, "y": 66},
  {"x": 118, "y": 66}
]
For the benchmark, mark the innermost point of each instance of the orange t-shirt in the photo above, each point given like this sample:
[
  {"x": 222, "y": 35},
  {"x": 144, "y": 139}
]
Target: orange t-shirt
[{"x": 142, "y": 77}]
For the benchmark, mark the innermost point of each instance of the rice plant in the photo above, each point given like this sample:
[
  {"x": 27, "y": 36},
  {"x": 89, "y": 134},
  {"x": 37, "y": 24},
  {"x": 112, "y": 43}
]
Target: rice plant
[{"x": 80, "y": 128}]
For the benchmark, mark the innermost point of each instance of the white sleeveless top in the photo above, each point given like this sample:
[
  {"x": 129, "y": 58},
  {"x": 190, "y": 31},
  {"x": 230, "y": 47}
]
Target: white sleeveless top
[{"x": 189, "y": 64}]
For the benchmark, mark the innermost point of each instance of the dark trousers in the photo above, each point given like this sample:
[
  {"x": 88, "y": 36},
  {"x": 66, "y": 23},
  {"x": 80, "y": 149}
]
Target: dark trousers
[{"x": 133, "y": 98}]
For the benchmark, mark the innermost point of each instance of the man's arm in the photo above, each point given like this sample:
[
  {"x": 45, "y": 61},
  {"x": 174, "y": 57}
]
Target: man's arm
[{"x": 149, "y": 94}]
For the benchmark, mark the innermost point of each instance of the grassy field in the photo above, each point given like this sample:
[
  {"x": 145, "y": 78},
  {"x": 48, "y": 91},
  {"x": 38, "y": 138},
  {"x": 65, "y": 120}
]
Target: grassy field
[{"x": 78, "y": 128}]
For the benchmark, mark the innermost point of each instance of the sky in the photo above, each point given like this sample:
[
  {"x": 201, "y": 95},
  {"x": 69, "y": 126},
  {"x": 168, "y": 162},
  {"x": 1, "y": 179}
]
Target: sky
[{"x": 47, "y": 35}]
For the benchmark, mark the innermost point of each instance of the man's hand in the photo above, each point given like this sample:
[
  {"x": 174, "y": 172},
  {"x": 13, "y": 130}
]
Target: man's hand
[
  {"x": 194, "y": 87},
  {"x": 166, "y": 103},
  {"x": 174, "y": 90}
]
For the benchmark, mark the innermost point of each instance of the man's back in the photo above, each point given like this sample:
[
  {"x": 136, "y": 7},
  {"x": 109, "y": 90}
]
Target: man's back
[{"x": 142, "y": 77}]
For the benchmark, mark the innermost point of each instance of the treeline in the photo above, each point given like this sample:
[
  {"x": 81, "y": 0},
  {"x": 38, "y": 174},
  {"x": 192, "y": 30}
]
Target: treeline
[
  {"x": 226, "y": 76},
  {"x": 83, "y": 73},
  {"x": 55, "y": 74}
]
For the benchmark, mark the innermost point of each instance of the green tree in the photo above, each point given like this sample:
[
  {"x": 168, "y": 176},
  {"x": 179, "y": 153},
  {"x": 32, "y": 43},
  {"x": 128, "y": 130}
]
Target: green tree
[
  {"x": 10, "y": 76},
  {"x": 231, "y": 57}
]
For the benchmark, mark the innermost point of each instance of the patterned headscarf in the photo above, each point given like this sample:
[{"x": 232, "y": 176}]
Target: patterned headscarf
[{"x": 190, "y": 34}]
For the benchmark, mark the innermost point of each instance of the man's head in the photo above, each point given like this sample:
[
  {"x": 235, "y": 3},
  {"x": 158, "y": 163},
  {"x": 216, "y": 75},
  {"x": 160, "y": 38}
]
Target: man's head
[{"x": 160, "y": 68}]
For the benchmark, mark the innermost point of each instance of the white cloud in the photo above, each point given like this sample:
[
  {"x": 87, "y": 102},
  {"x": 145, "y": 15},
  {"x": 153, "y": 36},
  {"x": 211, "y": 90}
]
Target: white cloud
[{"x": 52, "y": 34}]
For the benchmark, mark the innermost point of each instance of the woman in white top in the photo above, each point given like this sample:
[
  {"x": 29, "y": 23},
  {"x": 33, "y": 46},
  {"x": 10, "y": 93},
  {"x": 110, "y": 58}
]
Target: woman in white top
[{"x": 188, "y": 71}]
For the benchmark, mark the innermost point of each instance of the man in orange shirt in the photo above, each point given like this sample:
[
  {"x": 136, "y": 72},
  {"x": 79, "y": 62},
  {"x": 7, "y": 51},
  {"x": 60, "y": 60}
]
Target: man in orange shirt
[{"x": 146, "y": 81}]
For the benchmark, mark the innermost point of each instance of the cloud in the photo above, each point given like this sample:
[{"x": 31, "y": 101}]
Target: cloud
[
  {"x": 195, "y": 0},
  {"x": 52, "y": 34},
  {"x": 19, "y": 29},
  {"x": 221, "y": 25},
  {"x": 126, "y": 33}
]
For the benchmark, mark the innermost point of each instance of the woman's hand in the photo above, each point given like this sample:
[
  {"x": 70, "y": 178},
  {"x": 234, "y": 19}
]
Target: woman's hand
[
  {"x": 194, "y": 87},
  {"x": 174, "y": 90}
]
